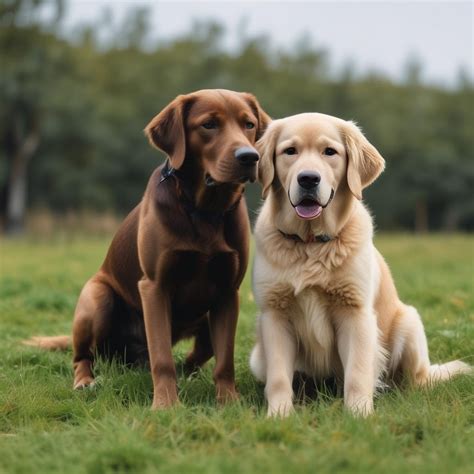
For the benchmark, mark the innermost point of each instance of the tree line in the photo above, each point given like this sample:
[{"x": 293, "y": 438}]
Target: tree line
[{"x": 73, "y": 107}]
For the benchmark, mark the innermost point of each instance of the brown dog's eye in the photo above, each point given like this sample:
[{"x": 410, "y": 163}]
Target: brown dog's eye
[
  {"x": 290, "y": 151},
  {"x": 249, "y": 125},
  {"x": 210, "y": 125},
  {"x": 330, "y": 151}
]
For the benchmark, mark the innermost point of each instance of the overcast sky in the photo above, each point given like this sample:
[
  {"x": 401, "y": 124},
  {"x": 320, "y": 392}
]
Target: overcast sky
[{"x": 377, "y": 35}]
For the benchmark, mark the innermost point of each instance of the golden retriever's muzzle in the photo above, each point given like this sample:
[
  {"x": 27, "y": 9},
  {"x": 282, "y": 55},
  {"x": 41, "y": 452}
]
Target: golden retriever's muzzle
[{"x": 307, "y": 197}]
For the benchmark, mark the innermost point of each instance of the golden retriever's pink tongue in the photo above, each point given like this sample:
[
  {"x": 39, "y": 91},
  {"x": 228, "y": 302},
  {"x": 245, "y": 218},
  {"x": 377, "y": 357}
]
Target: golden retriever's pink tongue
[{"x": 308, "y": 211}]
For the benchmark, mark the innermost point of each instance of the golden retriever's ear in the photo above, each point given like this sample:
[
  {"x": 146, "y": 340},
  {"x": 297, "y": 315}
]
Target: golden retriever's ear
[
  {"x": 166, "y": 131},
  {"x": 364, "y": 162},
  {"x": 263, "y": 118},
  {"x": 266, "y": 164}
]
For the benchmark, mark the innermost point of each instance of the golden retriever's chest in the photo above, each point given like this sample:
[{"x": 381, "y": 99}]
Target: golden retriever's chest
[
  {"x": 333, "y": 288},
  {"x": 309, "y": 316},
  {"x": 314, "y": 331},
  {"x": 308, "y": 275}
]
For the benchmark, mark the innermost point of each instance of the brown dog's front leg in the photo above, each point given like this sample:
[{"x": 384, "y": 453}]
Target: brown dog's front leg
[
  {"x": 157, "y": 317},
  {"x": 223, "y": 324}
]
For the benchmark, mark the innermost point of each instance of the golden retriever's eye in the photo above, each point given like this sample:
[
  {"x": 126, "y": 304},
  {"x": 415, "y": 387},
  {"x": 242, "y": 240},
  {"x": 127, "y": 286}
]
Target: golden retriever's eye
[
  {"x": 210, "y": 124},
  {"x": 330, "y": 151},
  {"x": 290, "y": 151},
  {"x": 249, "y": 125}
]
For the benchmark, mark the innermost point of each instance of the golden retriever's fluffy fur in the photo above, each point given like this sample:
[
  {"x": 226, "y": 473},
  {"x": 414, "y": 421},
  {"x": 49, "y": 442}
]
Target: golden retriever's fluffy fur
[{"x": 328, "y": 308}]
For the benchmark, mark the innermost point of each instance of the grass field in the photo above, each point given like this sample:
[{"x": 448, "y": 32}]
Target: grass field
[{"x": 45, "y": 427}]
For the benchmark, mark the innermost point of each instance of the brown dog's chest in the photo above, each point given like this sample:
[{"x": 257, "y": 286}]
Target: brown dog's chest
[{"x": 196, "y": 280}]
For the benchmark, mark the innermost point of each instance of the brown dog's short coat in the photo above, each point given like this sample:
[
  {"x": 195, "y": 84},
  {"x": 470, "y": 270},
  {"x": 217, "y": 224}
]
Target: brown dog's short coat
[{"x": 174, "y": 267}]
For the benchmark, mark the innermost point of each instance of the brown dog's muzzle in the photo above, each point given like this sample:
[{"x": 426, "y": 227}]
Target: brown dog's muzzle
[{"x": 247, "y": 158}]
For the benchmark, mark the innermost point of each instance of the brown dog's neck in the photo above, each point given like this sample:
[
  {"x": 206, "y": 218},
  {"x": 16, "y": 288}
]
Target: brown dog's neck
[{"x": 220, "y": 198}]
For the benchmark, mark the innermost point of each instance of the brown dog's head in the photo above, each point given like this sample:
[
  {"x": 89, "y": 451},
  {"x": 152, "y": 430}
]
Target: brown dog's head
[
  {"x": 313, "y": 157},
  {"x": 212, "y": 131}
]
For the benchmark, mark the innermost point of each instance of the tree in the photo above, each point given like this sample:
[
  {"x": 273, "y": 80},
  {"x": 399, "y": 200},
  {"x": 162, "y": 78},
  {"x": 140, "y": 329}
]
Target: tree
[
  {"x": 29, "y": 62},
  {"x": 73, "y": 110}
]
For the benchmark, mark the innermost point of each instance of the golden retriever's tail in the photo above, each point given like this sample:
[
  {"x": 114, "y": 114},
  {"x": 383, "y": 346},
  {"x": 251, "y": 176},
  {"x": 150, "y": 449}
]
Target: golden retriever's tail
[
  {"x": 50, "y": 343},
  {"x": 440, "y": 372}
]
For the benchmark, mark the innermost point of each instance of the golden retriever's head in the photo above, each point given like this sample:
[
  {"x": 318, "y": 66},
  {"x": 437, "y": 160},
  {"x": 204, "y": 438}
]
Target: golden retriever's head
[
  {"x": 312, "y": 157},
  {"x": 211, "y": 132}
]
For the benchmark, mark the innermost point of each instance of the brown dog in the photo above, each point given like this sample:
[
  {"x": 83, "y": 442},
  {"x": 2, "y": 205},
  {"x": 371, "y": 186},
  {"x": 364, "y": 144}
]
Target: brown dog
[{"x": 174, "y": 267}]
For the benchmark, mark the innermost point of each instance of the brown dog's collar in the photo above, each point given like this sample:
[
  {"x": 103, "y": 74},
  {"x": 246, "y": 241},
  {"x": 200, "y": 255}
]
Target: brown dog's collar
[
  {"x": 167, "y": 171},
  {"x": 322, "y": 238},
  {"x": 193, "y": 211}
]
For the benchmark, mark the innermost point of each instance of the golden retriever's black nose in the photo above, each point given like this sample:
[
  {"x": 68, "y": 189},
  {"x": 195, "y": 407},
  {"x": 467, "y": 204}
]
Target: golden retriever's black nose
[
  {"x": 308, "y": 179},
  {"x": 246, "y": 155}
]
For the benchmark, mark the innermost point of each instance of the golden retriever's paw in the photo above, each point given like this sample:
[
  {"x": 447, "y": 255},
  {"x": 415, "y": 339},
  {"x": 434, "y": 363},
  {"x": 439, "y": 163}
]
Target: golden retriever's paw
[
  {"x": 361, "y": 407},
  {"x": 280, "y": 408}
]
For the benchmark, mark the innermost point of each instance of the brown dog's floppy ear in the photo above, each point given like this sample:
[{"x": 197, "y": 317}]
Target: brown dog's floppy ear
[
  {"x": 364, "y": 162},
  {"x": 266, "y": 164},
  {"x": 166, "y": 130},
  {"x": 263, "y": 118}
]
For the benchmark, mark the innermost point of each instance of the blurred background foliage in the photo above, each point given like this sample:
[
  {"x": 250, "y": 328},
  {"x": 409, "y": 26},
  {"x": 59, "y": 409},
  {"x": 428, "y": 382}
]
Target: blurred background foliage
[{"x": 73, "y": 107}]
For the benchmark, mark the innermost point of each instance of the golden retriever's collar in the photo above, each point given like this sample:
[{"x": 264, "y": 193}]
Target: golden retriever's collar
[{"x": 322, "y": 238}]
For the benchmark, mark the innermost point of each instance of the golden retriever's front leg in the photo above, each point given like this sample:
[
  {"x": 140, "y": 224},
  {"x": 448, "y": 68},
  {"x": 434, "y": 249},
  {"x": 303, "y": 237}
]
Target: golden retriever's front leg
[
  {"x": 358, "y": 348},
  {"x": 279, "y": 347}
]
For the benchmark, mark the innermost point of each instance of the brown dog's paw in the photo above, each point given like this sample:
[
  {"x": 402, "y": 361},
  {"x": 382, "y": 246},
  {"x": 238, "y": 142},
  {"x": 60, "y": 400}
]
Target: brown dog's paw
[
  {"x": 165, "y": 397},
  {"x": 164, "y": 404},
  {"x": 190, "y": 368},
  {"x": 195, "y": 360},
  {"x": 84, "y": 382},
  {"x": 226, "y": 394}
]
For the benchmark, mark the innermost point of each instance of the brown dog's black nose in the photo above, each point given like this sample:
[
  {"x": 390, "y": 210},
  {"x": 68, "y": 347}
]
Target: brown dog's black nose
[
  {"x": 246, "y": 155},
  {"x": 308, "y": 179}
]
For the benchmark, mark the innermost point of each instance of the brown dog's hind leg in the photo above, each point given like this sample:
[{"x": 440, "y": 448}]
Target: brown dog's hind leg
[
  {"x": 91, "y": 326},
  {"x": 202, "y": 350},
  {"x": 223, "y": 324}
]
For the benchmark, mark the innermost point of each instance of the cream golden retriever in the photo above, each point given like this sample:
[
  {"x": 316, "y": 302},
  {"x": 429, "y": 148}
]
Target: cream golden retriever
[{"x": 327, "y": 300}]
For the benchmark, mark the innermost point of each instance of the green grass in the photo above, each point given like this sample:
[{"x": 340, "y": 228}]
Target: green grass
[{"x": 46, "y": 427}]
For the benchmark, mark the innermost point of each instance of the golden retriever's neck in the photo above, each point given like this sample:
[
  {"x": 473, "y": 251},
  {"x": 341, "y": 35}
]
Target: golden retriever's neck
[
  {"x": 336, "y": 216},
  {"x": 318, "y": 258}
]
